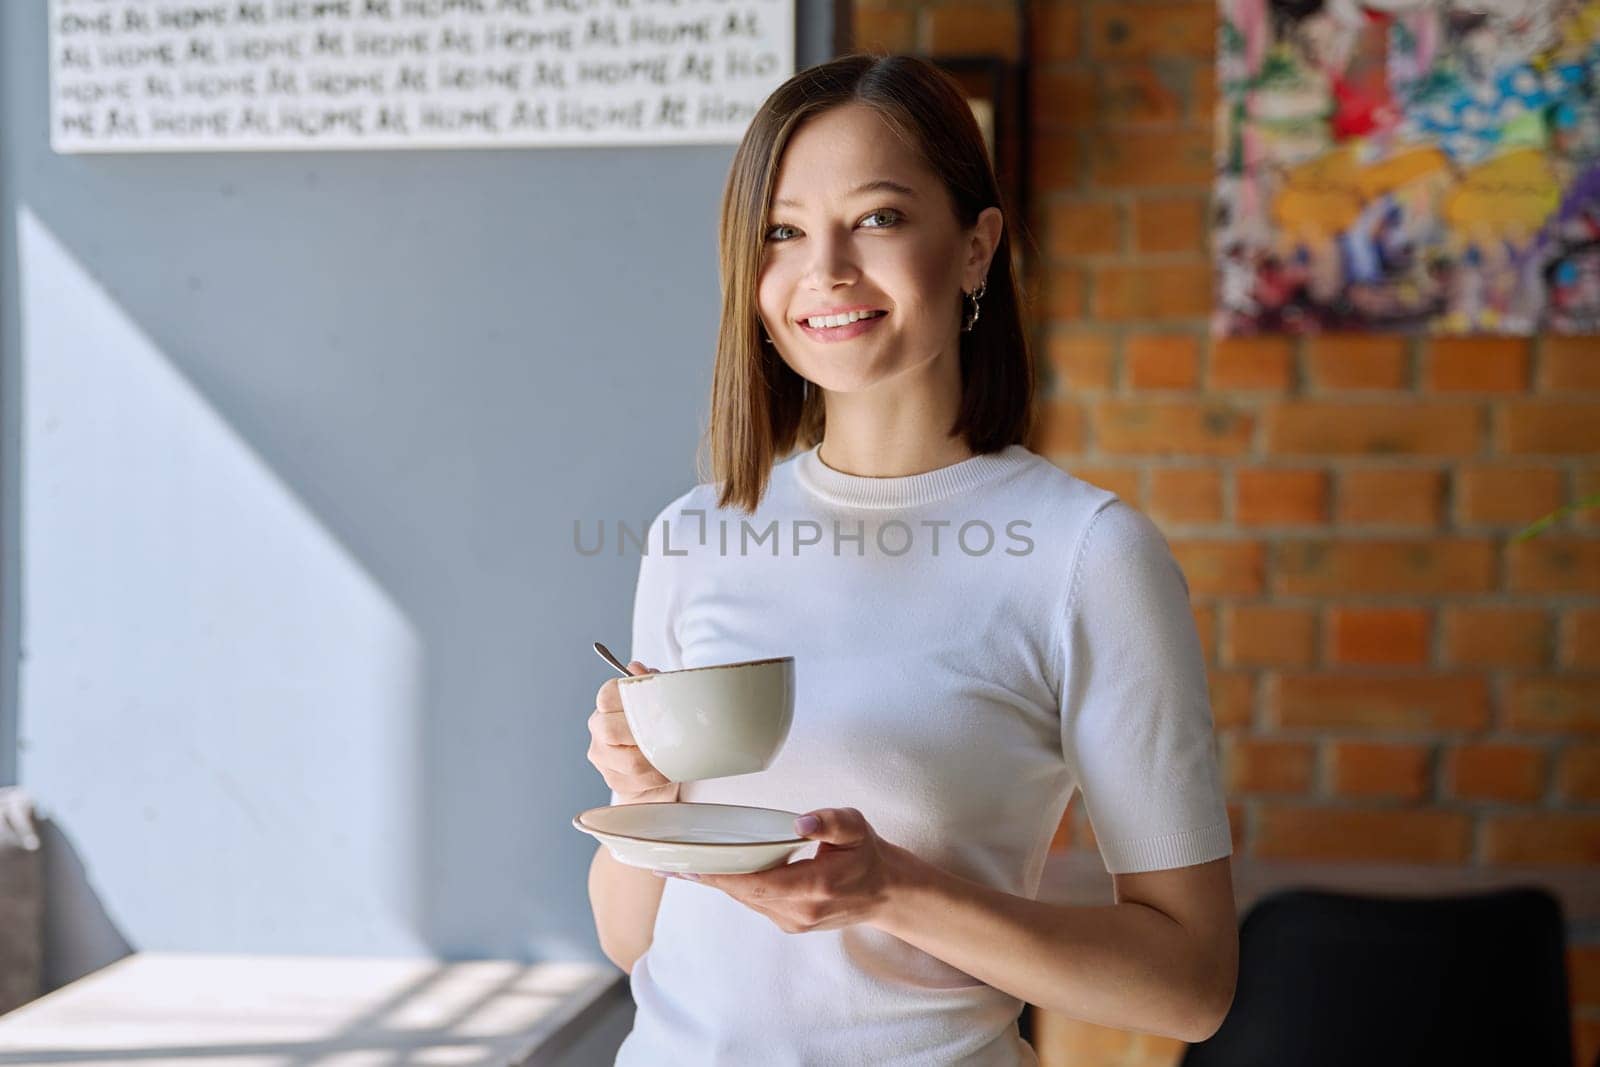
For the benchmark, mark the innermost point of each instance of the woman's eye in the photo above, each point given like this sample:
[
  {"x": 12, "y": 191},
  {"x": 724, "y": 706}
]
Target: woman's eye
[{"x": 890, "y": 218}]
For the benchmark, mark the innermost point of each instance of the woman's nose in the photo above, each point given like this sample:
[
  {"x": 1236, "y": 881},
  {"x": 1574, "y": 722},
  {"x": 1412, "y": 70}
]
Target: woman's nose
[{"x": 832, "y": 263}]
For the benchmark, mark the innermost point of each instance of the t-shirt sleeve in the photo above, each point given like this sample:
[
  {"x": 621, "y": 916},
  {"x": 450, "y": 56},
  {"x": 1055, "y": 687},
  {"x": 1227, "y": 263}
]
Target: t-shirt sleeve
[
  {"x": 655, "y": 602},
  {"x": 1136, "y": 722}
]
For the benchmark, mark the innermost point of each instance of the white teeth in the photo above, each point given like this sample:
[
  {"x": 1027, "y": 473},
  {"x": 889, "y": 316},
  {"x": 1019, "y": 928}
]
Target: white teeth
[{"x": 827, "y": 321}]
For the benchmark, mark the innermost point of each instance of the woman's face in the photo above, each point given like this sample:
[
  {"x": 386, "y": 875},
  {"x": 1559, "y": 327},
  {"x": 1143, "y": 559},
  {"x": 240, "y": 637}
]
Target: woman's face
[{"x": 834, "y": 244}]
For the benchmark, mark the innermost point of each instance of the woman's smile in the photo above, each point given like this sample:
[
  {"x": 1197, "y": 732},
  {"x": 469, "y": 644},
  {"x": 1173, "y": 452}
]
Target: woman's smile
[{"x": 843, "y": 332}]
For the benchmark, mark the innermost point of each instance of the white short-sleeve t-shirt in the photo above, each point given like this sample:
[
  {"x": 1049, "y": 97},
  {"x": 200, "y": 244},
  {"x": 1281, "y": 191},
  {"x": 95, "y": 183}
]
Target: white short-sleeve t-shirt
[{"x": 971, "y": 646}]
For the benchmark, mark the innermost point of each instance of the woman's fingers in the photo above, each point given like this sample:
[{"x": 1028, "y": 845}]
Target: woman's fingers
[
  {"x": 611, "y": 728},
  {"x": 609, "y": 698},
  {"x": 619, "y": 759},
  {"x": 612, "y": 747}
]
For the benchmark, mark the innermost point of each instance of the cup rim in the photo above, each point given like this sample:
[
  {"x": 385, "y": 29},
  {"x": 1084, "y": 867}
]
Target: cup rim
[{"x": 710, "y": 667}]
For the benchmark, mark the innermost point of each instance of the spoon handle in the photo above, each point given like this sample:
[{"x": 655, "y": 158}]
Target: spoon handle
[{"x": 605, "y": 654}]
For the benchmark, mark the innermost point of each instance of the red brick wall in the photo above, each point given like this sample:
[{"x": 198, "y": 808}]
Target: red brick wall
[{"x": 1392, "y": 679}]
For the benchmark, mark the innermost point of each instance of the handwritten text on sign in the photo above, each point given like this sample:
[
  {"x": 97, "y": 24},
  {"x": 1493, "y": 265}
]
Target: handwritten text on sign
[{"x": 146, "y": 75}]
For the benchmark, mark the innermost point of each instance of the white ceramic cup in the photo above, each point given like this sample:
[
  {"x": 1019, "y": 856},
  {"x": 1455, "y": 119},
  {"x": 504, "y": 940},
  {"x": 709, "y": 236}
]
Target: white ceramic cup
[{"x": 711, "y": 722}]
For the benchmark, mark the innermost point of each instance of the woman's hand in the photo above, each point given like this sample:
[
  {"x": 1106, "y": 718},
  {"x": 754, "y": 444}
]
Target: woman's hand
[
  {"x": 848, "y": 882},
  {"x": 616, "y": 755}
]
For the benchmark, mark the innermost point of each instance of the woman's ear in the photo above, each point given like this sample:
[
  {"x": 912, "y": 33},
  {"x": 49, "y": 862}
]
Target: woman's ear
[{"x": 984, "y": 238}]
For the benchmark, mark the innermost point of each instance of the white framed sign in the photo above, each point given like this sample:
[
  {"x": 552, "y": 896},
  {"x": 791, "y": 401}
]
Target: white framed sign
[{"x": 158, "y": 76}]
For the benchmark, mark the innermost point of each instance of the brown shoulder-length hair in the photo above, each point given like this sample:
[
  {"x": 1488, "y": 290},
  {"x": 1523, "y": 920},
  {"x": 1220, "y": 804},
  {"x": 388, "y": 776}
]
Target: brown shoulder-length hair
[{"x": 760, "y": 408}]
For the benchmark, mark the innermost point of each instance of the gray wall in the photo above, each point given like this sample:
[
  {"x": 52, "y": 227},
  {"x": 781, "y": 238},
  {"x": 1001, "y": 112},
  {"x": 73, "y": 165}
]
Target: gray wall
[{"x": 295, "y": 640}]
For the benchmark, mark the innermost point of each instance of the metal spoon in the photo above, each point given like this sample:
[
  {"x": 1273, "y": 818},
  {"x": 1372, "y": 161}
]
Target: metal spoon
[{"x": 605, "y": 654}]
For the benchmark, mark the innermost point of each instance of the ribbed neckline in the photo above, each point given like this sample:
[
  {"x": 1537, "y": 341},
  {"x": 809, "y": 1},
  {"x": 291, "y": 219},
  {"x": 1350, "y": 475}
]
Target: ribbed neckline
[{"x": 857, "y": 491}]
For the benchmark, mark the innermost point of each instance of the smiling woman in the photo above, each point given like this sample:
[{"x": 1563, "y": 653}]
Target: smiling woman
[
  {"x": 948, "y": 700},
  {"x": 862, "y": 184}
]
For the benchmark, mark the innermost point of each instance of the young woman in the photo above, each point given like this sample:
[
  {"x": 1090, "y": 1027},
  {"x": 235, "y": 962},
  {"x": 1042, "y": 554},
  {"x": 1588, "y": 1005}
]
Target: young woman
[{"x": 976, "y": 635}]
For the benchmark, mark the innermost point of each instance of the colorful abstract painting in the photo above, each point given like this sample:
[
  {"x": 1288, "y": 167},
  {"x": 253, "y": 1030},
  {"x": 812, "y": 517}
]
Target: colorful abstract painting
[{"x": 1410, "y": 165}]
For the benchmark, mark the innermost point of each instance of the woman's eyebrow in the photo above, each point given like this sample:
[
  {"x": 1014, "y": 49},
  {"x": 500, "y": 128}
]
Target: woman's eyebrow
[{"x": 882, "y": 185}]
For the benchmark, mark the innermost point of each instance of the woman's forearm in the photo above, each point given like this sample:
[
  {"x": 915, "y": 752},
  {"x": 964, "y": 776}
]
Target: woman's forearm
[
  {"x": 624, "y": 900},
  {"x": 1124, "y": 965}
]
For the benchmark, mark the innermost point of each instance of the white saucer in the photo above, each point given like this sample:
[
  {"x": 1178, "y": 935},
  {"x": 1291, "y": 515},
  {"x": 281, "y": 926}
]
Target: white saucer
[{"x": 694, "y": 838}]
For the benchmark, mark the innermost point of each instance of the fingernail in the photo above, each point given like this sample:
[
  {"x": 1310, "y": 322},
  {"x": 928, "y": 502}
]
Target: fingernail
[
  {"x": 691, "y": 877},
  {"x": 807, "y": 824},
  {"x": 662, "y": 874}
]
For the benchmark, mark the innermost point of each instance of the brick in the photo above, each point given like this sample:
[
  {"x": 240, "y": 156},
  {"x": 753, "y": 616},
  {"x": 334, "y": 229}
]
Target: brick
[
  {"x": 1251, "y": 363},
  {"x": 1587, "y": 481},
  {"x": 1315, "y": 427},
  {"x": 1550, "y": 564},
  {"x": 1526, "y": 839},
  {"x": 1057, "y": 32},
  {"x": 1495, "y": 636},
  {"x": 1162, "y": 361},
  {"x": 1066, "y": 98},
  {"x": 1083, "y": 835},
  {"x": 1061, "y": 840},
  {"x": 1238, "y": 825},
  {"x": 1358, "y": 361},
  {"x": 1203, "y": 92},
  {"x": 1270, "y": 635},
  {"x": 1221, "y": 568},
  {"x": 1065, "y": 291},
  {"x": 1580, "y": 638},
  {"x": 1570, "y": 365},
  {"x": 1133, "y": 293},
  {"x": 1134, "y": 92},
  {"x": 1205, "y": 626},
  {"x": 1365, "y": 769},
  {"x": 1548, "y": 428},
  {"x": 1336, "y": 568},
  {"x": 1259, "y": 765},
  {"x": 1394, "y": 636},
  {"x": 1510, "y": 773},
  {"x": 1280, "y": 497},
  {"x": 1585, "y": 1040},
  {"x": 1132, "y": 158},
  {"x": 1170, "y": 224},
  {"x": 1578, "y": 773},
  {"x": 1185, "y": 494},
  {"x": 962, "y": 29},
  {"x": 1063, "y": 1039},
  {"x": 1391, "y": 497},
  {"x": 1477, "y": 364},
  {"x": 1233, "y": 699},
  {"x": 1123, "y": 481},
  {"x": 1408, "y": 836},
  {"x": 1076, "y": 227},
  {"x": 1182, "y": 428},
  {"x": 1118, "y": 31},
  {"x": 884, "y": 31},
  {"x": 1418, "y": 704},
  {"x": 1083, "y": 362},
  {"x": 1554, "y": 705},
  {"x": 1583, "y": 976},
  {"x": 1057, "y": 162},
  {"x": 1060, "y": 428},
  {"x": 1506, "y": 495}
]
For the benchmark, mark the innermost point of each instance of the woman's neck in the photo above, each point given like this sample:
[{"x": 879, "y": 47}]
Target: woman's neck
[{"x": 897, "y": 429}]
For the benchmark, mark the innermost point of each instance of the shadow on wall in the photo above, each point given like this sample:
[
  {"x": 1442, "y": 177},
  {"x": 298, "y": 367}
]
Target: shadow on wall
[
  {"x": 79, "y": 935},
  {"x": 218, "y": 697}
]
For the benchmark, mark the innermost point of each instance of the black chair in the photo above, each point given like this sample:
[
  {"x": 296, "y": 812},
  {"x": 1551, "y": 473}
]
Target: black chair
[{"x": 1335, "y": 980}]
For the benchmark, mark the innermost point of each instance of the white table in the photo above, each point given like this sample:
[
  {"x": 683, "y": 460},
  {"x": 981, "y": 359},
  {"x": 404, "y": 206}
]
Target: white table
[{"x": 251, "y": 1011}]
